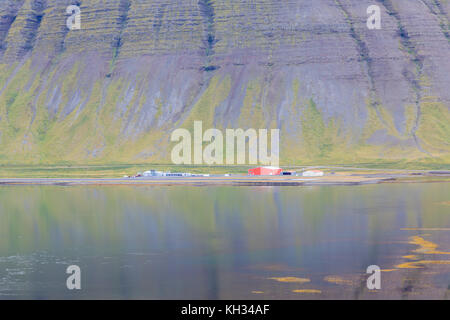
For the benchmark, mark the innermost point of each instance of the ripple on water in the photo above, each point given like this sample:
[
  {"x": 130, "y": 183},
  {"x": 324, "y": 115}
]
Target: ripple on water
[{"x": 18, "y": 268}]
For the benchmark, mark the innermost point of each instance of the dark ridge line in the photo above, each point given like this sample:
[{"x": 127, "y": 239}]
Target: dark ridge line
[
  {"x": 53, "y": 60},
  {"x": 411, "y": 51},
  {"x": 269, "y": 36},
  {"x": 33, "y": 22},
  {"x": 363, "y": 52},
  {"x": 117, "y": 43},
  {"x": 159, "y": 16},
  {"x": 444, "y": 22},
  {"x": 441, "y": 9},
  {"x": 11, "y": 18},
  {"x": 405, "y": 40},
  {"x": 269, "y": 65},
  {"x": 362, "y": 48},
  {"x": 209, "y": 40}
]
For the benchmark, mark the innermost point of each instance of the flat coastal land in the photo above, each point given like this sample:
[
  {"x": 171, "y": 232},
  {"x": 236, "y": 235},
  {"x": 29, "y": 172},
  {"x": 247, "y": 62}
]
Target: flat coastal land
[{"x": 332, "y": 177}]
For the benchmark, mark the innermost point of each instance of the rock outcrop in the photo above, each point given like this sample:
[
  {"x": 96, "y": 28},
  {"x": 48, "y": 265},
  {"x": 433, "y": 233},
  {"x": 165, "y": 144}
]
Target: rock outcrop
[{"x": 114, "y": 90}]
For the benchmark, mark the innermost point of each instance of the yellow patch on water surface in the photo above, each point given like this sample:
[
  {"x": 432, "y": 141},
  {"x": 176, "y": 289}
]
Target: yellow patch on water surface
[
  {"x": 411, "y": 257},
  {"x": 436, "y": 262},
  {"x": 445, "y": 203},
  {"x": 258, "y": 292},
  {"x": 291, "y": 279},
  {"x": 338, "y": 280},
  {"x": 408, "y": 265},
  {"x": 419, "y": 264},
  {"x": 307, "y": 291},
  {"x": 388, "y": 270},
  {"x": 426, "y": 247}
]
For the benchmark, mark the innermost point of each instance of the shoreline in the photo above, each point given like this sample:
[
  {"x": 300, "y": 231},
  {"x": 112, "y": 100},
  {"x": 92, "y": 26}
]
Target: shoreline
[{"x": 237, "y": 180}]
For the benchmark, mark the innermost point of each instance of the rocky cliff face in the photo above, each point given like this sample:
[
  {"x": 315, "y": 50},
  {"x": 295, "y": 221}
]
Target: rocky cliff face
[{"x": 114, "y": 90}]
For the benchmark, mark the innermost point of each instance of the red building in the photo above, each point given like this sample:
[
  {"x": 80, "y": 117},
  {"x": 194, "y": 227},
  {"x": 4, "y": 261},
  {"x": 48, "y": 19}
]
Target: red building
[{"x": 265, "y": 171}]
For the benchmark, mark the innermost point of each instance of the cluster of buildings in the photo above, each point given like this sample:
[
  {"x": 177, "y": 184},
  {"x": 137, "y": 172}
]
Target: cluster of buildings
[
  {"x": 259, "y": 171},
  {"x": 275, "y": 171},
  {"x": 154, "y": 173}
]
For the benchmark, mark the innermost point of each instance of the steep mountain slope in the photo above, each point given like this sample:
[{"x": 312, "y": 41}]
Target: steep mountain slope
[{"x": 114, "y": 90}]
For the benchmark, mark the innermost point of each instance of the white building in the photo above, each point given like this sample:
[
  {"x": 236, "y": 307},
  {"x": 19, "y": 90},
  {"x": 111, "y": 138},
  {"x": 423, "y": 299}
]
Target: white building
[
  {"x": 153, "y": 173},
  {"x": 313, "y": 173}
]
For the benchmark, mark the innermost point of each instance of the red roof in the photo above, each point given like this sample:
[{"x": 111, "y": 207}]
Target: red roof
[{"x": 265, "y": 171}]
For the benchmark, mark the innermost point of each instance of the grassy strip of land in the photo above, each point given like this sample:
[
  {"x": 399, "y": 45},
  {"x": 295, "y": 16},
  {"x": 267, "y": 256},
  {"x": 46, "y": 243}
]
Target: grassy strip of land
[
  {"x": 120, "y": 170},
  {"x": 106, "y": 171}
]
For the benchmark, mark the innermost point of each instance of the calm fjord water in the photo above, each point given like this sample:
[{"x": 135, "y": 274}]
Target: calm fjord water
[{"x": 185, "y": 242}]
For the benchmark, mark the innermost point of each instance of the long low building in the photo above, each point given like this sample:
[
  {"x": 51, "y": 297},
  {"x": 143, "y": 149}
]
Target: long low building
[
  {"x": 265, "y": 171},
  {"x": 313, "y": 173},
  {"x": 154, "y": 173}
]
